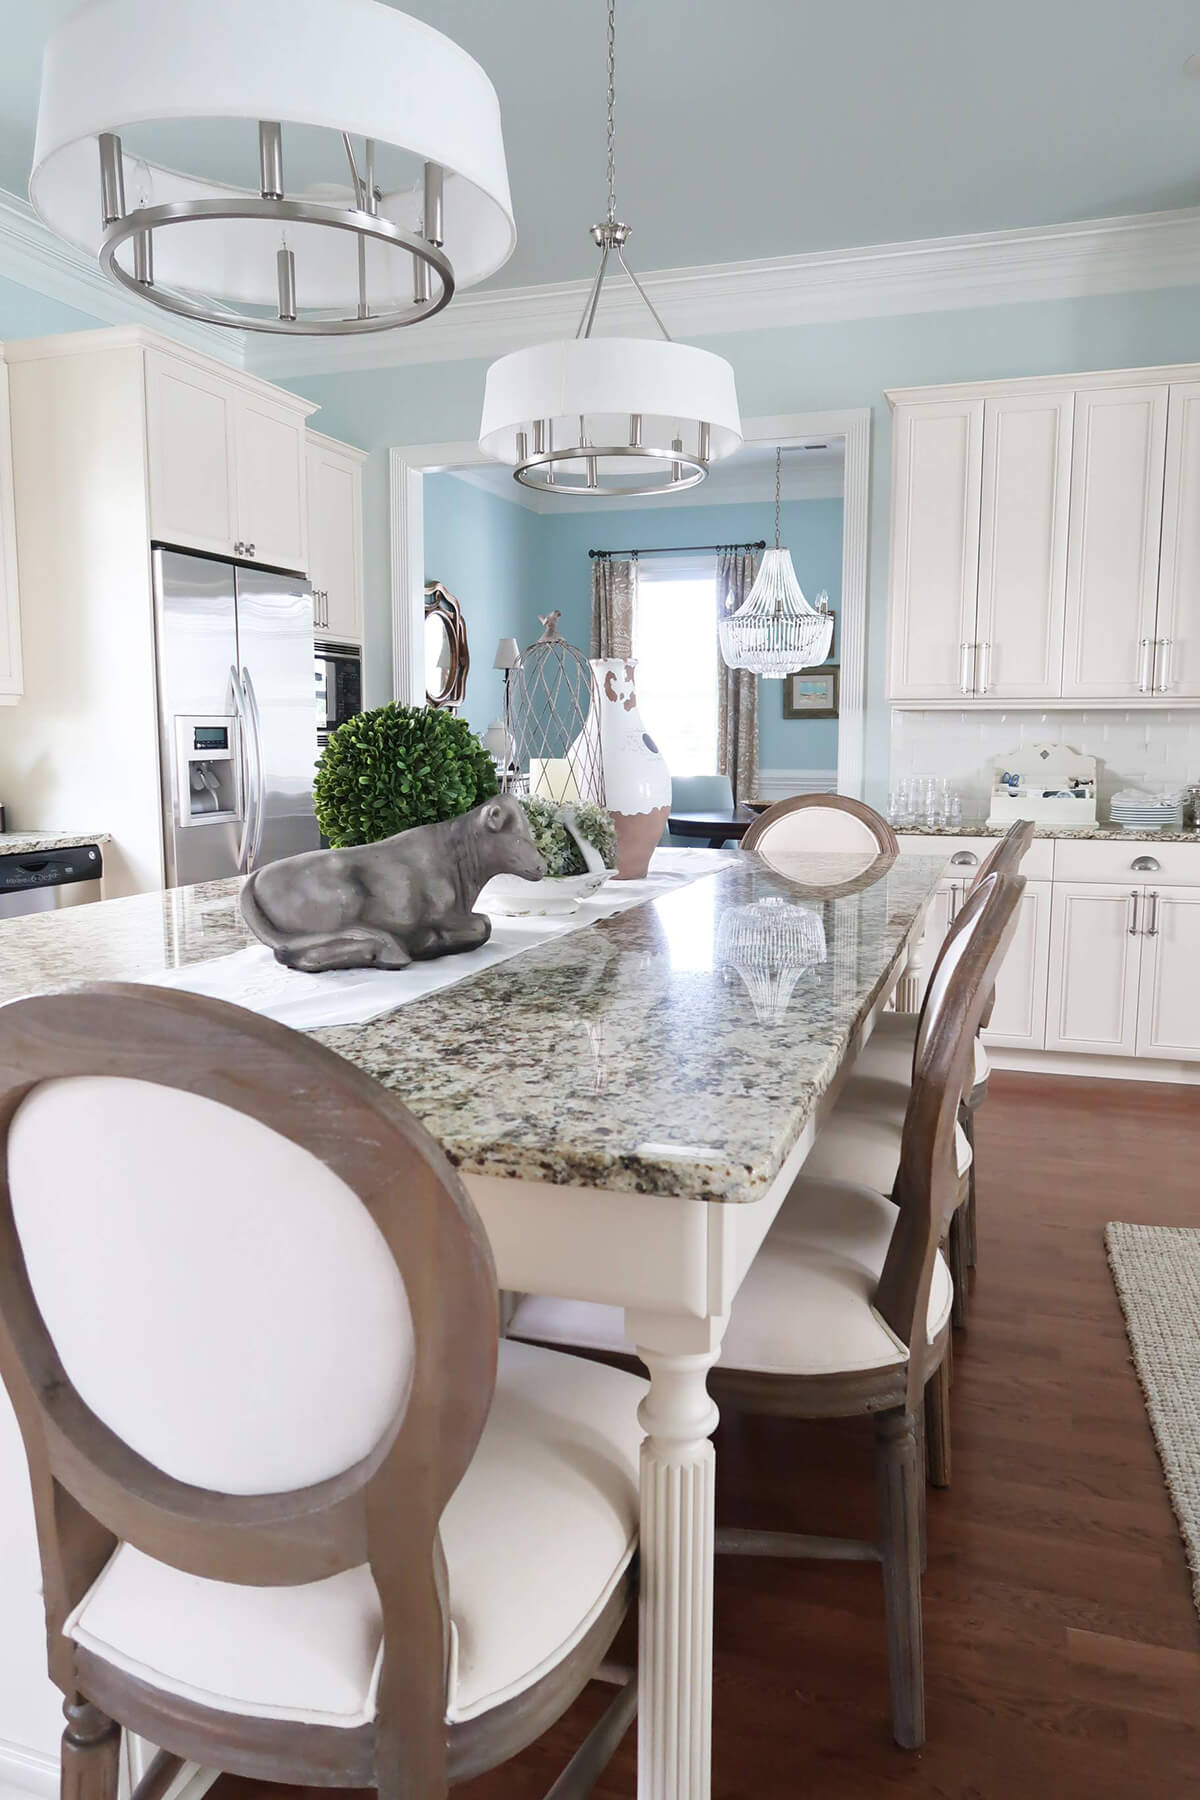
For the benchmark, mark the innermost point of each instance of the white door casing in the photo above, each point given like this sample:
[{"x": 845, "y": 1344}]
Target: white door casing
[{"x": 409, "y": 464}]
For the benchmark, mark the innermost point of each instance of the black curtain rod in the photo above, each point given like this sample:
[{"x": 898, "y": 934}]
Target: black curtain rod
[{"x": 677, "y": 549}]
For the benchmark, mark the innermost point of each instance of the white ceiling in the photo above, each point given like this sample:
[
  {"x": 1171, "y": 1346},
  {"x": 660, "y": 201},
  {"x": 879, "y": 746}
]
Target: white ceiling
[
  {"x": 814, "y": 471},
  {"x": 768, "y": 127}
]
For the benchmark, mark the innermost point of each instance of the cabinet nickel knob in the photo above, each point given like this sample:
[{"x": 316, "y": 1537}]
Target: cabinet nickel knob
[{"x": 1149, "y": 865}]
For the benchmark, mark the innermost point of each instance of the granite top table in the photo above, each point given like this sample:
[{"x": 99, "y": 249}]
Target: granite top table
[
  {"x": 627, "y": 1055},
  {"x": 595, "y": 1092}
]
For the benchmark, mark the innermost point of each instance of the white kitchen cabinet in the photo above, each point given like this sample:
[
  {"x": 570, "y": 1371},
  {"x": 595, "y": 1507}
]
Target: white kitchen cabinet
[
  {"x": 335, "y": 536},
  {"x": 190, "y": 430},
  {"x": 1019, "y": 1015},
  {"x": 937, "y": 465},
  {"x": 10, "y": 611},
  {"x": 1168, "y": 1016},
  {"x": 1176, "y": 671},
  {"x": 226, "y": 464},
  {"x": 1018, "y": 628},
  {"x": 1095, "y": 952},
  {"x": 269, "y": 465},
  {"x": 1114, "y": 541}
]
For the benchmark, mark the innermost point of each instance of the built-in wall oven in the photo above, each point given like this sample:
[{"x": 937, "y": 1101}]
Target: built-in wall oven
[{"x": 339, "y": 686}]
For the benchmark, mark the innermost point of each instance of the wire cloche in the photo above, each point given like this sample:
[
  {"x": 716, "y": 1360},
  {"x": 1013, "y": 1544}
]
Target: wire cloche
[
  {"x": 775, "y": 632},
  {"x": 552, "y": 721}
]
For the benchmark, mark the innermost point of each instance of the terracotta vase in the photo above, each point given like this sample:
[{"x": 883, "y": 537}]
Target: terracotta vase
[{"x": 637, "y": 784}]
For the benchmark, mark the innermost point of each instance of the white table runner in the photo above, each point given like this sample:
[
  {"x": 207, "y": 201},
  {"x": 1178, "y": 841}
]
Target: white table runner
[{"x": 252, "y": 977}]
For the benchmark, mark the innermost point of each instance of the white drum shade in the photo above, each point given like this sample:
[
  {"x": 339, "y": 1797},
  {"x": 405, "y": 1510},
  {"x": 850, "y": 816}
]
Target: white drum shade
[
  {"x": 603, "y": 380},
  {"x": 357, "y": 67}
]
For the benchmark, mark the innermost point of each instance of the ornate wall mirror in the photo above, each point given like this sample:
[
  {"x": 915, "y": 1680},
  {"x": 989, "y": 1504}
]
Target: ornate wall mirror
[{"x": 447, "y": 658}]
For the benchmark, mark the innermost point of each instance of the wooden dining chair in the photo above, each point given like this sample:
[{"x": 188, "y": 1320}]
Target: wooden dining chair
[
  {"x": 845, "y": 1311},
  {"x": 887, "y": 1064},
  {"x": 820, "y": 822},
  {"x": 299, "y": 1516}
]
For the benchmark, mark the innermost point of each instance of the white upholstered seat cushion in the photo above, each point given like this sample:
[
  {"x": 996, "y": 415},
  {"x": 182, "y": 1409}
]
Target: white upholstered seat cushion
[
  {"x": 805, "y": 1307},
  {"x": 888, "y": 1052},
  {"x": 860, "y": 1141},
  {"x": 537, "y": 1536}
]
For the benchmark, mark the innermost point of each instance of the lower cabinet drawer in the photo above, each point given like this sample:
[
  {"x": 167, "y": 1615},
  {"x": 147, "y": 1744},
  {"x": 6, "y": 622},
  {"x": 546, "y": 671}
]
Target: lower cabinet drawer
[
  {"x": 1177, "y": 865},
  {"x": 1038, "y": 864}
]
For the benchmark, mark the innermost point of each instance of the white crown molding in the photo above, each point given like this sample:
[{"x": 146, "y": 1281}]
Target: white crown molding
[
  {"x": 1054, "y": 262},
  {"x": 36, "y": 258}
]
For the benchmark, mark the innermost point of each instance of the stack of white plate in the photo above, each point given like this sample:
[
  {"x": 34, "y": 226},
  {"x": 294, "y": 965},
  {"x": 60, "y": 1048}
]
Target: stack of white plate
[{"x": 1148, "y": 812}]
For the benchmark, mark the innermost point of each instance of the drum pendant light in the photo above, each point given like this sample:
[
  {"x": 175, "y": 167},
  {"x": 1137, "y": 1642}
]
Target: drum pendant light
[
  {"x": 775, "y": 632},
  {"x": 412, "y": 200},
  {"x": 610, "y": 416}
]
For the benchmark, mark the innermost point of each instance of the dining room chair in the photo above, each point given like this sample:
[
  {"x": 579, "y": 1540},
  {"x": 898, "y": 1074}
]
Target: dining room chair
[
  {"x": 821, "y": 822},
  {"x": 845, "y": 1311},
  {"x": 300, "y": 1516},
  {"x": 887, "y": 1062},
  {"x": 699, "y": 794}
]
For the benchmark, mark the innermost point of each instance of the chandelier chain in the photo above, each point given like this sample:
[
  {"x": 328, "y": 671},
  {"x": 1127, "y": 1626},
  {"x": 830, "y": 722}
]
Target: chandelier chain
[
  {"x": 778, "y": 467},
  {"x": 612, "y": 109}
]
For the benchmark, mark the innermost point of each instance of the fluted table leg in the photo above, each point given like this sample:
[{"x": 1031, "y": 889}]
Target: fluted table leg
[{"x": 678, "y": 1473}]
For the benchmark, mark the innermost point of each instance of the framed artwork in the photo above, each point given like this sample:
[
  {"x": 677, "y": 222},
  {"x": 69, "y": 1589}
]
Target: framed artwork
[{"x": 812, "y": 694}]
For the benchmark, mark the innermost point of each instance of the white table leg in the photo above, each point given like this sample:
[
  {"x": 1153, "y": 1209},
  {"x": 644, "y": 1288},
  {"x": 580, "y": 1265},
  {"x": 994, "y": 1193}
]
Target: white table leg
[{"x": 678, "y": 1477}]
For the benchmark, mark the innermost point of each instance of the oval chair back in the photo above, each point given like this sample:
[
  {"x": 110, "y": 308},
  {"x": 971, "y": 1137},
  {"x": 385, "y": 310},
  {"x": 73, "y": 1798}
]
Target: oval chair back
[
  {"x": 820, "y": 823},
  {"x": 926, "y": 1183},
  {"x": 319, "y": 1302}
]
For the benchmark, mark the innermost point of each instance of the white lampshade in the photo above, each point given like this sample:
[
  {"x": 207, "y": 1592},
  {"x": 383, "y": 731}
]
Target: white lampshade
[
  {"x": 358, "y": 67},
  {"x": 507, "y": 652},
  {"x": 673, "y": 389}
]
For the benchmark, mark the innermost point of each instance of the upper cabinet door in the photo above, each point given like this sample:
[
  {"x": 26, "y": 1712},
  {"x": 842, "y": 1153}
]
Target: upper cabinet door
[
  {"x": 938, "y": 452},
  {"x": 335, "y": 540},
  {"x": 272, "y": 524},
  {"x": 1177, "y": 652},
  {"x": 190, "y": 422},
  {"x": 1023, "y": 545},
  {"x": 1115, "y": 532}
]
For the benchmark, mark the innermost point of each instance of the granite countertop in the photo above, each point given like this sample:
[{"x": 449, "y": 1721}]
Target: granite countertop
[
  {"x": 1077, "y": 834},
  {"x": 680, "y": 1047},
  {"x": 29, "y": 843}
]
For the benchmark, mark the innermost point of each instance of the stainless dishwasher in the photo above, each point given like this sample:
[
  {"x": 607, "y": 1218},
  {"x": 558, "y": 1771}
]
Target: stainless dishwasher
[{"x": 40, "y": 880}]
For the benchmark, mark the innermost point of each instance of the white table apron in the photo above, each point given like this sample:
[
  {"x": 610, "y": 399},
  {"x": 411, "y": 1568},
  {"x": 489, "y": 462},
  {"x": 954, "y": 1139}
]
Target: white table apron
[{"x": 675, "y": 1265}]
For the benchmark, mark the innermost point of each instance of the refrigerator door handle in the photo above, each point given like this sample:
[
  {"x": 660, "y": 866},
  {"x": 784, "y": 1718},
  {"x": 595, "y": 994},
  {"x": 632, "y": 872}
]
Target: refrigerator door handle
[
  {"x": 260, "y": 807},
  {"x": 239, "y": 708}
]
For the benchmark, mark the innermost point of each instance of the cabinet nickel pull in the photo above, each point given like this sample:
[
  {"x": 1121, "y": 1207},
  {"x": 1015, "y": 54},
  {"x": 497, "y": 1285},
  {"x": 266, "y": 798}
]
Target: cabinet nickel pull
[
  {"x": 983, "y": 679},
  {"x": 1152, "y": 927},
  {"x": 249, "y": 549},
  {"x": 965, "y": 682},
  {"x": 964, "y": 858},
  {"x": 1148, "y": 865},
  {"x": 1134, "y": 897},
  {"x": 1146, "y": 647},
  {"x": 1162, "y": 682}
]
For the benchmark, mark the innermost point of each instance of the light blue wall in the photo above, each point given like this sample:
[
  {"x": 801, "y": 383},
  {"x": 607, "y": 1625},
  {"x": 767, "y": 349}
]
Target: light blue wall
[
  {"x": 806, "y": 369},
  {"x": 487, "y": 552},
  {"x": 25, "y": 313},
  {"x": 812, "y": 529}
]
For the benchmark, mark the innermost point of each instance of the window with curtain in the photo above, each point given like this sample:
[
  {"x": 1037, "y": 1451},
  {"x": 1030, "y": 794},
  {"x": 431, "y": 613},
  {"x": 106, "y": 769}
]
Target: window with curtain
[{"x": 675, "y": 643}]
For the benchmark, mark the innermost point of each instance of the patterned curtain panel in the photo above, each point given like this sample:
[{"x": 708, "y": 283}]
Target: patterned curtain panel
[
  {"x": 614, "y": 583},
  {"x": 737, "y": 689}
]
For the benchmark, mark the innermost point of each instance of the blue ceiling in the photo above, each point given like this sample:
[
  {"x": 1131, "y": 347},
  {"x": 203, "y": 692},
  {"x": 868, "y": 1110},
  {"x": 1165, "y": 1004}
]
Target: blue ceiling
[{"x": 752, "y": 128}]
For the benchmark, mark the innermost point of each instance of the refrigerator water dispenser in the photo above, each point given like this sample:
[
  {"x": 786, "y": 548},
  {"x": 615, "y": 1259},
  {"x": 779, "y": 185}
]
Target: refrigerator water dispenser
[{"x": 209, "y": 770}]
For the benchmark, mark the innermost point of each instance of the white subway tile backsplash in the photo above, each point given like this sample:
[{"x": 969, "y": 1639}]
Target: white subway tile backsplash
[{"x": 1132, "y": 748}]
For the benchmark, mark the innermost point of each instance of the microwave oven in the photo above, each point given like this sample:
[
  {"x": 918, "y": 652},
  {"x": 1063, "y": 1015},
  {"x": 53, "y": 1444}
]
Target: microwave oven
[{"x": 339, "y": 686}]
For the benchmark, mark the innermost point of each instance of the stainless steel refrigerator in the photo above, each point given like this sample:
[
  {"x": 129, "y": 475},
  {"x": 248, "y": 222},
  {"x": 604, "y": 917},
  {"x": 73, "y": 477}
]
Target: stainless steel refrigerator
[{"x": 236, "y": 715}]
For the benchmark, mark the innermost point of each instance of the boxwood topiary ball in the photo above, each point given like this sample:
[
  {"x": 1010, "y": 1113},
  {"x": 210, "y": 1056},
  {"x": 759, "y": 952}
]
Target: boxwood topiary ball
[{"x": 386, "y": 770}]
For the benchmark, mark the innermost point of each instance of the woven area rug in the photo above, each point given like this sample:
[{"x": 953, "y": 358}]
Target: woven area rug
[{"x": 1157, "y": 1272}]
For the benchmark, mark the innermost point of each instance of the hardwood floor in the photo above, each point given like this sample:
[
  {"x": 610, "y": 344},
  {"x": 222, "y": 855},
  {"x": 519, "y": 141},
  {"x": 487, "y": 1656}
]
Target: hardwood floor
[{"x": 1062, "y": 1645}]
